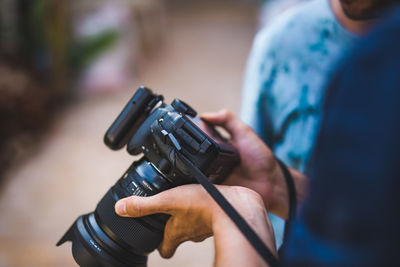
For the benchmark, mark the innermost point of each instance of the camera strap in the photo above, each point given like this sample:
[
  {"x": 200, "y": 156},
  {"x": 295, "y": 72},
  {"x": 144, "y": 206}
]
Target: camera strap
[
  {"x": 292, "y": 197},
  {"x": 238, "y": 220}
]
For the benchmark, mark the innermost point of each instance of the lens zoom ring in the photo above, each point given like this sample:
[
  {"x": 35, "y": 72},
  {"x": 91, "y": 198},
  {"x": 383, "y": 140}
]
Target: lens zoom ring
[{"x": 130, "y": 230}]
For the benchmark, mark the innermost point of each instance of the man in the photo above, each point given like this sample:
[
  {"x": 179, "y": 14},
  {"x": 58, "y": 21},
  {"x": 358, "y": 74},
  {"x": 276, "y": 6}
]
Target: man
[
  {"x": 351, "y": 215},
  {"x": 354, "y": 177},
  {"x": 288, "y": 68}
]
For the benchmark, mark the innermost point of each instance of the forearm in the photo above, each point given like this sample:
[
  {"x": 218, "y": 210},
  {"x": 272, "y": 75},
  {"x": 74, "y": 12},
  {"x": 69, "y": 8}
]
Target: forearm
[{"x": 232, "y": 248}]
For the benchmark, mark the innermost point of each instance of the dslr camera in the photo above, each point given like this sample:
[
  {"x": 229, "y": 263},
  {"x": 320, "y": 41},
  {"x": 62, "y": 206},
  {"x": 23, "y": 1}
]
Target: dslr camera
[{"x": 168, "y": 136}]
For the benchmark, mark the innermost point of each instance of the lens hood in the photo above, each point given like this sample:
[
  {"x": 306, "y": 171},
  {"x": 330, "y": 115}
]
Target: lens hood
[{"x": 92, "y": 247}]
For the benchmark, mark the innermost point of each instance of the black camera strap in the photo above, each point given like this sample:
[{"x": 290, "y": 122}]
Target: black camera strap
[
  {"x": 243, "y": 226},
  {"x": 292, "y": 197}
]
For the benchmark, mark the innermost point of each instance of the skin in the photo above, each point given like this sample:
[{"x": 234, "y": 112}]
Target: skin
[
  {"x": 365, "y": 9},
  {"x": 358, "y": 16},
  {"x": 195, "y": 215}
]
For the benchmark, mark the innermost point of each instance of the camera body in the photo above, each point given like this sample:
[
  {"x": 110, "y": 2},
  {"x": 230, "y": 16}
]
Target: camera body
[
  {"x": 164, "y": 134},
  {"x": 160, "y": 132}
]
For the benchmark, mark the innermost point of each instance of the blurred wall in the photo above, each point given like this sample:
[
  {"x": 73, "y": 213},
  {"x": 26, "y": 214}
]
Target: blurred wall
[{"x": 192, "y": 50}]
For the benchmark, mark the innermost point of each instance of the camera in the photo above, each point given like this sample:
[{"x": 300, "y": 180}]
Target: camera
[{"x": 165, "y": 135}]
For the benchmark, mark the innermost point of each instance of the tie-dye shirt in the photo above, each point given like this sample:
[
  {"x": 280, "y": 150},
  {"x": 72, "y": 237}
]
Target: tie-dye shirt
[
  {"x": 291, "y": 61},
  {"x": 289, "y": 65}
]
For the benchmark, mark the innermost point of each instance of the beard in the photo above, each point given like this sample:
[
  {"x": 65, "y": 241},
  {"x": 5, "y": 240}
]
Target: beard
[{"x": 366, "y": 9}]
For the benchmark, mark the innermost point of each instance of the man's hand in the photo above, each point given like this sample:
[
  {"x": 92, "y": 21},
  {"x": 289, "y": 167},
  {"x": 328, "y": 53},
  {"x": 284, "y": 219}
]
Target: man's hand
[
  {"x": 258, "y": 169},
  {"x": 195, "y": 216}
]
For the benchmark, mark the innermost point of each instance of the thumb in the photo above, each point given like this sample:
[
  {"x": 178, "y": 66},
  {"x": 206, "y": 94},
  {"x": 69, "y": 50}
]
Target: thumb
[
  {"x": 228, "y": 120},
  {"x": 220, "y": 117},
  {"x": 136, "y": 206}
]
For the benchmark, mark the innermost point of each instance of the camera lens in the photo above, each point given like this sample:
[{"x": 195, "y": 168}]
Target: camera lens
[
  {"x": 162, "y": 134},
  {"x": 103, "y": 238}
]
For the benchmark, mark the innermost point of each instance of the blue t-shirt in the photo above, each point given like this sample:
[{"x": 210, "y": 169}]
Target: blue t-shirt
[
  {"x": 287, "y": 70},
  {"x": 351, "y": 217},
  {"x": 288, "y": 67}
]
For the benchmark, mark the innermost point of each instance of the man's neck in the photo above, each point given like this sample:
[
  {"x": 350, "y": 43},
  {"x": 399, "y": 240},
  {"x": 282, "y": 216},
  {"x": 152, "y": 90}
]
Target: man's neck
[{"x": 358, "y": 27}]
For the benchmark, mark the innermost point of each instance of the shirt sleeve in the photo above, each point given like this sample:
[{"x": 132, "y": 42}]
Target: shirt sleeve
[{"x": 259, "y": 69}]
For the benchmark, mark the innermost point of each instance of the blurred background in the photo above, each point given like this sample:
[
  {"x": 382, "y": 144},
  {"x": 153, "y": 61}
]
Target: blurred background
[{"x": 67, "y": 68}]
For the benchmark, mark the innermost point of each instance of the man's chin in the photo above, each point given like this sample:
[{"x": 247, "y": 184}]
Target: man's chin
[
  {"x": 365, "y": 10},
  {"x": 362, "y": 15}
]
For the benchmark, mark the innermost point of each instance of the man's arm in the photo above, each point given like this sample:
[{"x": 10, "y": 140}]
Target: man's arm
[
  {"x": 258, "y": 169},
  {"x": 195, "y": 216},
  {"x": 232, "y": 248}
]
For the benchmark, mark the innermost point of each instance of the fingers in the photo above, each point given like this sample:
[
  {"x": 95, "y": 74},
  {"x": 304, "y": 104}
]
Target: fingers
[
  {"x": 178, "y": 231},
  {"x": 167, "y": 248},
  {"x": 228, "y": 120},
  {"x": 222, "y": 117},
  {"x": 135, "y": 206},
  {"x": 167, "y": 251},
  {"x": 171, "y": 201},
  {"x": 173, "y": 237},
  {"x": 191, "y": 209}
]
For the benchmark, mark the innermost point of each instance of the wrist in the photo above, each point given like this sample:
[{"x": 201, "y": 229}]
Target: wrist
[
  {"x": 280, "y": 202},
  {"x": 228, "y": 238}
]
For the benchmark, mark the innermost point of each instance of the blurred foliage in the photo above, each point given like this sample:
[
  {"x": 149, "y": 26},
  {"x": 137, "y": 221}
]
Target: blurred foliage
[
  {"x": 46, "y": 39},
  {"x": 40, "y": 59},
  {"x": 84, "y": 52}
]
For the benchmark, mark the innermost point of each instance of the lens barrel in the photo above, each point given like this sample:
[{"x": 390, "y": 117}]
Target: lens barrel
[{"x": 103, "y": 238}]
